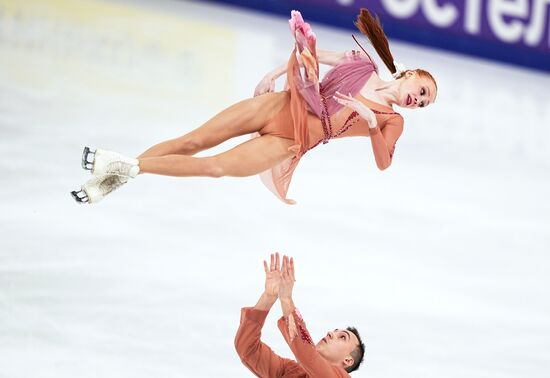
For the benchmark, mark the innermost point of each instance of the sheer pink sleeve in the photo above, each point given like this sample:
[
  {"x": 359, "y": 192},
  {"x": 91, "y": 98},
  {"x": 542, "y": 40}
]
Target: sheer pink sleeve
[{"x": 306, "y": 80}]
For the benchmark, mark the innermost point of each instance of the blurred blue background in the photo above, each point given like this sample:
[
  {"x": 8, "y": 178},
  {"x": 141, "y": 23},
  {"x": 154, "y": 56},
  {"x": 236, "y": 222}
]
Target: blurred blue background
[{"x": 516, "y": 32}]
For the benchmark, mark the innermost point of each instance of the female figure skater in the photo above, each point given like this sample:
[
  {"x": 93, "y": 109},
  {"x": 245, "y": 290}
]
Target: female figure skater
[{"x": 351, "y": 100}]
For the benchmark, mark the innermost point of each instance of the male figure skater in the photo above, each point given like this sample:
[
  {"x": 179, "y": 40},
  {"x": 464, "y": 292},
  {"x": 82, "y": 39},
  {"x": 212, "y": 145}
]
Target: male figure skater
[{"x": 338, "y": 353}]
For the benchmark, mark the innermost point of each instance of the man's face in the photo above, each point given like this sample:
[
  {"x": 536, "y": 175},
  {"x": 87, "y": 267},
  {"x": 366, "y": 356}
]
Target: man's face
[{"x": 337, "y": 345}]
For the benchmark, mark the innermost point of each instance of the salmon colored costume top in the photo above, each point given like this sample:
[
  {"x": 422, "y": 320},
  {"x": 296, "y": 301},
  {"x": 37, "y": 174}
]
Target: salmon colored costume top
[
  {"x": 263, "y": 362},
  {"x": 310, "y": 115}
]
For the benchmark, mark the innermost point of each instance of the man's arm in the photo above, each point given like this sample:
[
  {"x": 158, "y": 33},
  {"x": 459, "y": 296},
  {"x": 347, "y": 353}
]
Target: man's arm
[
  {"x": 294, "y": 330},
  {"x": 254, "y": 354},
  {"x": 286, "y": 286}
]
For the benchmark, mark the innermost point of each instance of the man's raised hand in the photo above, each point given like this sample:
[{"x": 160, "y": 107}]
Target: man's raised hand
[
  {"x": 287, "y": 278},
  {"x": 272, "y": 275}
]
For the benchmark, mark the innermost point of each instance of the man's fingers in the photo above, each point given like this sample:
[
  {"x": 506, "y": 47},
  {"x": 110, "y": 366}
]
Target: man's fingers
[
  {"x": 265, "y": 267},
  {"x": 287, "y": 268},
  {"x": 277, "y": 261},
  {"x": 291, "y": 269}
]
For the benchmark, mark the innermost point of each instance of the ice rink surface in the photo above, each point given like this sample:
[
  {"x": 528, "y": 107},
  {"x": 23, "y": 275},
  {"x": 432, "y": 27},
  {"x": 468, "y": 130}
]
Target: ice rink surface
[{"x": 442, "y": 261}]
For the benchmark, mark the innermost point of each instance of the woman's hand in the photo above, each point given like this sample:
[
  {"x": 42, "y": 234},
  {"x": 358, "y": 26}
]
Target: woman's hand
[
  {"x": 266, "y": 85},
  {"x": 354, "y": 104},
  {"x": 272, "y": 276}
]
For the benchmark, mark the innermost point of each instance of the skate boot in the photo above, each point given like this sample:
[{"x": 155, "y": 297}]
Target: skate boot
[
  {"x": 98, "y": 187},
  {"x": 102, "y": 162}
]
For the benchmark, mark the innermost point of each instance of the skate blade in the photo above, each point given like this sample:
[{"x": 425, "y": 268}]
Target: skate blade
[
  {"x": 88, "y": 158},
  {"x": 80, "y": 196}
]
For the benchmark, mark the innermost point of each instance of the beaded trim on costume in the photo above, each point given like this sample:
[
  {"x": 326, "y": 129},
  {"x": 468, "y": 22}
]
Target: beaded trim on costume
[
  {"x": 379, "y": 112},
  {"x": 352, "y": 119},
  {"x": 299, "y": 322},
  {"x": 325, "y": 117}
]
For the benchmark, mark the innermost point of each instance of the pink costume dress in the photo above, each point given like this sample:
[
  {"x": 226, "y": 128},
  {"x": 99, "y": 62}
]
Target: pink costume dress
[{"x": 310, "y": 116}]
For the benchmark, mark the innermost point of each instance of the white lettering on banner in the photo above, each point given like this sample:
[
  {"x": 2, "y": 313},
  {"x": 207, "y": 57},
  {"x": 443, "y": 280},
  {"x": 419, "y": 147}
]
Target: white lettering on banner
[
  {"x": 510, "y": 21},
  {"x": 401, "y": 8},
  {"x": 535, "y": 30},
  {"x": 510, "y": 31},
  {"x": 345, "y": 2},
  {"x": 472, "y": 16},
  {"x": 440, "y": 15}
]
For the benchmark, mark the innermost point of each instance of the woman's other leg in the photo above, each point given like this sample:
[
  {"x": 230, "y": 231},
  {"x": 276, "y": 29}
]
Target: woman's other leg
[
  {"x": 246, "y": 159},
  {"x": 245, "y": 117}
]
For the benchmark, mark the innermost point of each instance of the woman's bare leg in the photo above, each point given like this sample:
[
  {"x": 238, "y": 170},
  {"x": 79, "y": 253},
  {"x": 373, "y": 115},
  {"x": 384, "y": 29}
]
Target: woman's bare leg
[
  {"x": 246, "y": 159},
  {"x": 245, "y": 117}
]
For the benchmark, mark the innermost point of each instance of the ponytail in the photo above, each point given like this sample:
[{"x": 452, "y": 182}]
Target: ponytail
[{"x": 371, "y": 27}]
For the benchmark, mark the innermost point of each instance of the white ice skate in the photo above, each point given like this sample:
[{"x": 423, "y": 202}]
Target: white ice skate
[
  {"x": 102, "y": 162},
  {"x": 95, "y": 189}
]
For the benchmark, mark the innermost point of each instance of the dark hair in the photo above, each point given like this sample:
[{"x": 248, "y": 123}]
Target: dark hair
[
  {"x": 372, "y": 29},
  {"x": 358, "y": 353}
]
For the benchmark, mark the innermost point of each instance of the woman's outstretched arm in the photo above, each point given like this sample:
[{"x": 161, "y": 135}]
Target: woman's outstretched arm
[
  {"x": 267, "y": 84},
  {"x": 330, "y": 58}
]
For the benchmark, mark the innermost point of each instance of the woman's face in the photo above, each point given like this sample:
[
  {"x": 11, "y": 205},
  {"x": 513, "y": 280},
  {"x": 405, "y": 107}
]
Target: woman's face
[{"x": 416, "y": 91}]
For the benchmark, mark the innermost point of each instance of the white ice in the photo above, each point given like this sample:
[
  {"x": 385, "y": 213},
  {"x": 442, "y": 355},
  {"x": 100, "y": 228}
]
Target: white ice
[{"x": 442, "y": 261}]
